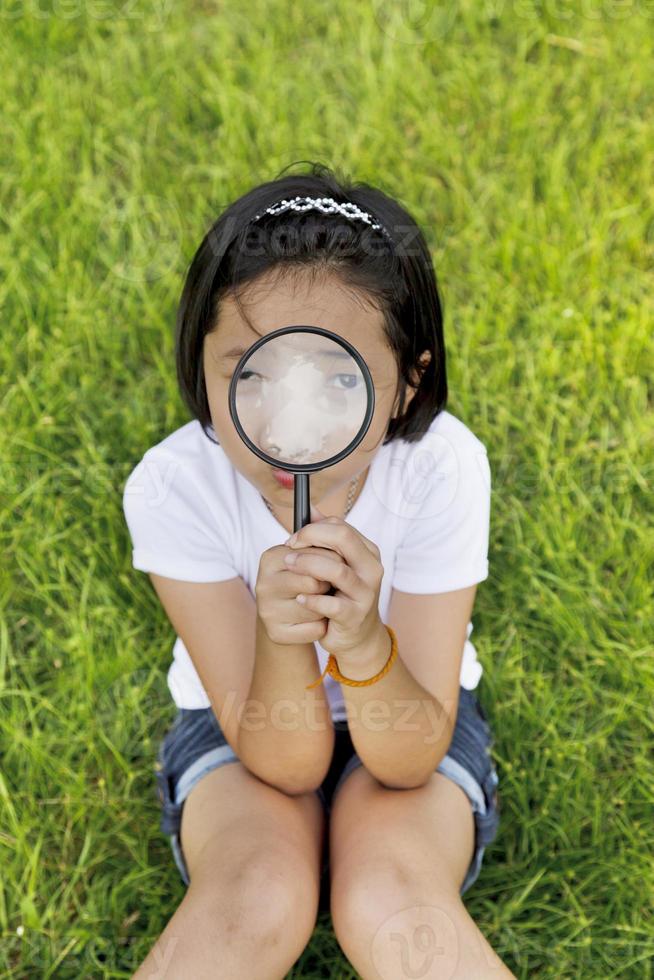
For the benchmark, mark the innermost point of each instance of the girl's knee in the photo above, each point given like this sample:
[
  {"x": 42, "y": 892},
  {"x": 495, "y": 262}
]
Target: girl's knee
[
  {"x": 362, "y": 892},
  {"x": 364, "y": 897},
  {"x": 270, "y": 888}
]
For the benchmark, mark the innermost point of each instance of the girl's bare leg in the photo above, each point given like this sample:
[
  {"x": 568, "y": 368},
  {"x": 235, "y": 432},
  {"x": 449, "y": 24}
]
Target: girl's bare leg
[
  {"x": 397, "y": 861},
  {"x": 253, "y": 855}
]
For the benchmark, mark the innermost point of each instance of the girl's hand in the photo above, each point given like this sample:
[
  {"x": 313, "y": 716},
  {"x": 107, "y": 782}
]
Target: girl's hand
[
  {"x": 285, "y": 620},
  {"x": 355, "y": 570}
]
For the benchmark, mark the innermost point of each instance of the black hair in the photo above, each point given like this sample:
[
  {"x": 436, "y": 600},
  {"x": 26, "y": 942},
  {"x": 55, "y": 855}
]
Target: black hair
[{"x": 396, "y": 276}]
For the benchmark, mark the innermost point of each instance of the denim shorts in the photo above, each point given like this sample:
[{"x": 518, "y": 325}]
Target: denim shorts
[{"x": 195, "y": 744}]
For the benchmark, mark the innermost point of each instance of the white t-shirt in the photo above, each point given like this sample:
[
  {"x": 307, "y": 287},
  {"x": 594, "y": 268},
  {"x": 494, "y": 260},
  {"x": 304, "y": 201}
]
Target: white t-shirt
[{"x": 426, "y": 505}]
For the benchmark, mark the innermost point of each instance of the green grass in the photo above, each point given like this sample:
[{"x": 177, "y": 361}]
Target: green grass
[{"x": 520, "y": 136}]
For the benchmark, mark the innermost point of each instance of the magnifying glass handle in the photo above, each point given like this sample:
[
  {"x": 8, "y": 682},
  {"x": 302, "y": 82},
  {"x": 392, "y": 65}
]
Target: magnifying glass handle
[
  {"x": 301, "y": 503},
  {"x": 302, "y": 507}
]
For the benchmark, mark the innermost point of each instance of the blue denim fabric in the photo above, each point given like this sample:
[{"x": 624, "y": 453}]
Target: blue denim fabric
[{"x": 195, "y": 745}]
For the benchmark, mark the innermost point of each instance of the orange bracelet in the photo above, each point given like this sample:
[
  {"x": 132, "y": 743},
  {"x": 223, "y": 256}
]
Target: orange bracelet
[{"x": 333, "y": 671}]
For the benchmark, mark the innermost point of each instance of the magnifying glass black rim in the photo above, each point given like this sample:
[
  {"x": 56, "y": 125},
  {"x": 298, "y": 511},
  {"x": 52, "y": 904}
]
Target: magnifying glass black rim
[{"x": 322, "y": 464}]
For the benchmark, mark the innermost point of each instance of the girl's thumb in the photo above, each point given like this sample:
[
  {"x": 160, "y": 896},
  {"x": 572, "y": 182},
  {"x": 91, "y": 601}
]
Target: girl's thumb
[{"x": 316, "y": 515}]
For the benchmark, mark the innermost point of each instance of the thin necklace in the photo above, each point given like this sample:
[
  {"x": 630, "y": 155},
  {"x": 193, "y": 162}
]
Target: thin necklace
[{"x": 350, "y": 497}]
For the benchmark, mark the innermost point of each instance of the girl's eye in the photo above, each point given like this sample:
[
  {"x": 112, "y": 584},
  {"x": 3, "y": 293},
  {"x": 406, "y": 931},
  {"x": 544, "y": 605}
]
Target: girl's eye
[
  {"x": 350, "y": 382},
  {"x": 345, "y": 382}
]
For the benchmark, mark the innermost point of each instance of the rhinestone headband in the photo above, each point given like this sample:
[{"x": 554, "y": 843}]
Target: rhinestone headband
[{"x": 325, "y": 204}]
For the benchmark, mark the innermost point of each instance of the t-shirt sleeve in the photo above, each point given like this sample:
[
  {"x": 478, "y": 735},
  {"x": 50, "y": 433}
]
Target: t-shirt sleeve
[
  {"x": 171, "y": 525},
  {"x": 445, "y": 544}
]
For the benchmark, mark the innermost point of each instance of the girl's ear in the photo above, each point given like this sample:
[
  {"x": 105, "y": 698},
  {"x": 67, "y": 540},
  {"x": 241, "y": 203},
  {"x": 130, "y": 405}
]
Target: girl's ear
[
  {"x": 410, "y": 391},
  {"x": 423, "y": 361}
]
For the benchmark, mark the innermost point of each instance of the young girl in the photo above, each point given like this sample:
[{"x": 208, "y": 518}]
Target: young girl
[{"x": 328, "y": 750}]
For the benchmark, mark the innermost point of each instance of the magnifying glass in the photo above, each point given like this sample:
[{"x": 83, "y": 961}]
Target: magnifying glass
[{"x": 302, "y": 399}]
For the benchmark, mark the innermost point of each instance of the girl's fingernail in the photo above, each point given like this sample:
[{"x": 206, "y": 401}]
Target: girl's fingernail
[
  {"x": 301, "y": 599},
  {"x": 293, "y": 538},
  {"x": 290, "y": 559}
]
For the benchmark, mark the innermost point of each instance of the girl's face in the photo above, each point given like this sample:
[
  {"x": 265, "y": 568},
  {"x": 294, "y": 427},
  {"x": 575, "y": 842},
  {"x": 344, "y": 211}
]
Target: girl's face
[{"x": 297, "y": 300}]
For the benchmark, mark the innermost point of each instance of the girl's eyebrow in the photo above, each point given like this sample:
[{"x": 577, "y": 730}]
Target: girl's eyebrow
[{"x": 235, "y": 352}]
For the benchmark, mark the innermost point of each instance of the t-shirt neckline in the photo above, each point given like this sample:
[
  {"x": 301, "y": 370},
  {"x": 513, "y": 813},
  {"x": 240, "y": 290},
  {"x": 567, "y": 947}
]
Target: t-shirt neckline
[{"x": 360, "y": 504}]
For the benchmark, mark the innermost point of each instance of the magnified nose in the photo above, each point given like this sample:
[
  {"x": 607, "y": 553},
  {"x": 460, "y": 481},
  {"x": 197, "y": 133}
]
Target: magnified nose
[{"x": 305, "y": 444}]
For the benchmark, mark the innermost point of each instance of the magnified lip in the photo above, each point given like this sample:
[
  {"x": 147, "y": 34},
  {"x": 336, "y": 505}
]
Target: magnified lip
[{"x": 286, "y": 479}]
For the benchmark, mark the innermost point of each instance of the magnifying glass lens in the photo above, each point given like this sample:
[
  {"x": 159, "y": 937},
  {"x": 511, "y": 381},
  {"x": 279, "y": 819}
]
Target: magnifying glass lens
[{"x": 301, "y": 398}]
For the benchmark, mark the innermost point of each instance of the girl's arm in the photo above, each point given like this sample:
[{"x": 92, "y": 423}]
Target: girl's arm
[
  {"x": 280, "y": 731},
  {"x": 215, "y": 623},
  {"x": 286, "y": 736}
]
